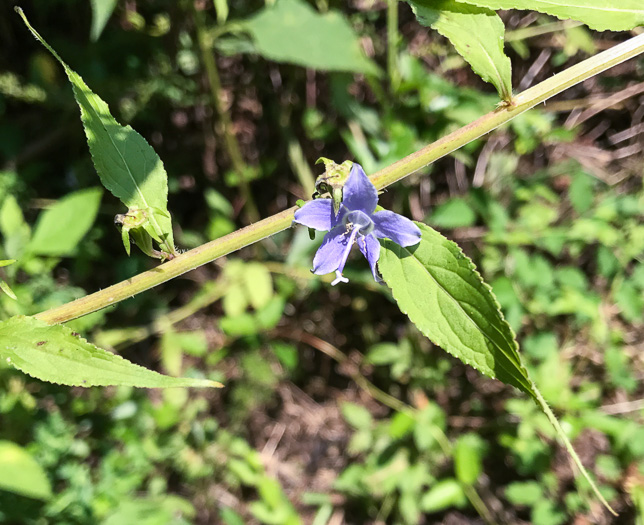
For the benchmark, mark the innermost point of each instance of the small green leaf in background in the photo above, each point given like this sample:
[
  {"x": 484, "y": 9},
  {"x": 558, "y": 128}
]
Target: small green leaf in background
[
  {"x": 524, "y": 492},
  {"x": 258, "y": 284},
  {"x": 602, "y": 15},
  {"x": 7, "y": 289},
  {"x": 101, "y": 12},
  {"x": 221, "y": 8},
  {"x": 165, "y": 510},
  {"x": 581, "y": 192},
  {"x": 318, "y": 41},
  {"x": 60, "y": 228},
  {"x": 476, "y": 33},
  {"x": 356, "y": 415},
  {"x": 58, "y": 355},
  {"x": 3, "y": 285},
  {"x": 455, "y": 213},
  {"x": 15, "y": 231},
  {"x": 21, "y": 474},
  {"x": 126, "y": 164},
  {"x": 630, "y": 301},
  {"x": 443, "y": 495},
  {"x": 468, "y": 458}
]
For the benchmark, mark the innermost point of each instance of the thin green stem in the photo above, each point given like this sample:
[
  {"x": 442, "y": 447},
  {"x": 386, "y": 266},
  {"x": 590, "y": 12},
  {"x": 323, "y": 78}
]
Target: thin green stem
[
  {"x": 117, "y": 337},
  {"x": 299, "y": 165},
  {"x": 392, "y": 44},
  {"x": 230, "y": 140},
  {"x": 213, "y": 250},
  {"x": 542, "y": 403},
  {"x": 532, "y": 31}
]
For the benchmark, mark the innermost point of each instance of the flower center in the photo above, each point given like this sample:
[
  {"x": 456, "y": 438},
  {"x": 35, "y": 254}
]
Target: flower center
[{"x": 358, "y": 220}]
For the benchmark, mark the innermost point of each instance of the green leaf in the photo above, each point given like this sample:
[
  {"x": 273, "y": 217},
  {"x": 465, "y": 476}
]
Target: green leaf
[
  {"x": 221, "y": 7},
  {"x": 167, "y": 509},
  {"x": 126, "y": 164},
  {"x": 15, "y": 231},
  {"x": 60, "y": 228},
  {"x": 292, "y": 31},
  {"x": 356, "y": 415},
  {"x": 101, "y": 12},
  {"x": 602, "y": 15},
  {"x": 21, "y": 474},
  {"x": 581, "y": 192},
  {"x": 630, "y": 301},
  {"x": 442, "y": 495},
  {"x": 258, "y": 284},
  {"x": 7, "y": 289},
  {"x": 455, "y": 213},
  {"x": 468, "y": 460},
  {"x": 383, "y": 354},
  {"x": 524, "y": 492},
  {"x": 438, "y": 287},
  {"x": 58, "y": 355},
  {"x": 476, "y": 33}
]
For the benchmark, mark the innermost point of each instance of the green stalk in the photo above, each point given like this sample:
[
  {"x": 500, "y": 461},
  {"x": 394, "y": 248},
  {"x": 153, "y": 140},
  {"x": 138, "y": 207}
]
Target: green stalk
[
  {"x": 532, "y": 31},
  {"x": 230, "y": 140},
  {"x": 543, "y": 404},
  {"x": 214, "y": 249},
  {"x": 392, "y": 44}
]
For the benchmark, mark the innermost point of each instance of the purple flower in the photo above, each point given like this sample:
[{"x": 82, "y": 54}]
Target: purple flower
[{"x": 355, "y": 222}]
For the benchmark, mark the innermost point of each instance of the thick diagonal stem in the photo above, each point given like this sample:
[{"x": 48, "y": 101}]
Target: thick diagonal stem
[{"x": 213, "y": 250}]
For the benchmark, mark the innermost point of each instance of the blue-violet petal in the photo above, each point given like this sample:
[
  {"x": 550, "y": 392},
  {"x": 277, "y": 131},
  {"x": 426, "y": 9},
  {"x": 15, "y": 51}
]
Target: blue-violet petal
[
  {"x": 370, "y": 248},
  {"x": 399, "y": 229},
  {"x": 358, "y": 192},
  {"x": 318, "y": 214},
  {"x": 330, "y": 253}
]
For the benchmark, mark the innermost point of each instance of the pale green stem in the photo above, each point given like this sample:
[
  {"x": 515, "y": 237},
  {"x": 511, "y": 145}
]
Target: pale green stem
[
  {"x": 392, "y": 44},
  {"x": 529, "y": 32},
  {"x": 227, "y": 131},
  {"x": 299, "y": 165},
  {"x": 568, "y": 445},
  {"x": 213, "y": 250},
  {"x": 114, "y": 338}
]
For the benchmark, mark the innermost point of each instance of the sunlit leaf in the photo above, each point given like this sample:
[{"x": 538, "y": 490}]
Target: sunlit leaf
[
  {"x": 476, "y": 33},
  {"x": 455, "y": 213},
  {"x": 292, "y": 31},
  {"x": 21, "y": 474},
  {"x": 101, "y": 12},
  {"x": 437, "y": 286},
  {"x": 126, "y": 164},
  {"x": 258, "y": 284},
  {"x": 55, "y": 354},
  {"x": 7, "y": 289},
  {"x": 60, "y": 228},
  {"x": 613, "y": 15}
]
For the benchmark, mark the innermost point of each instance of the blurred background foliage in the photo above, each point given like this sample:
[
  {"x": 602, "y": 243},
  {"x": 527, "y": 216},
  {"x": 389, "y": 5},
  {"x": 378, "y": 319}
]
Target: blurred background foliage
[{"x": 335, "y": 408}]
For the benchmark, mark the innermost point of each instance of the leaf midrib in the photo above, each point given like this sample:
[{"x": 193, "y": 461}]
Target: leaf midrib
[{"x": 97, "y": 116}]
